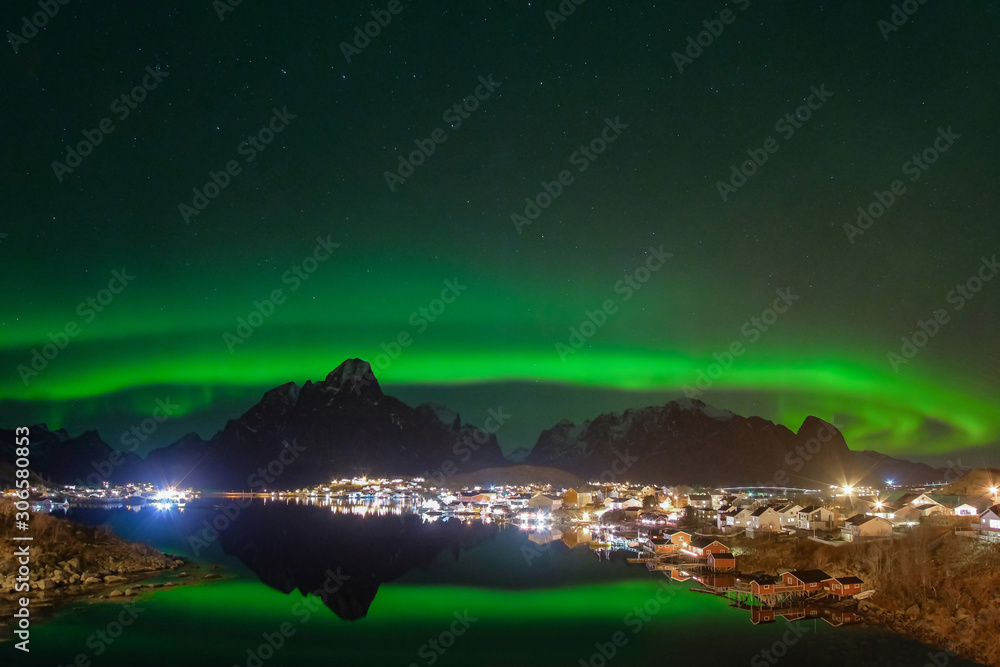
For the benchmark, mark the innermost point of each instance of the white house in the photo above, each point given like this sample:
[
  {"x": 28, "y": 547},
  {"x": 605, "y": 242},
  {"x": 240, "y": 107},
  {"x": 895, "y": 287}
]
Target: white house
[
  {"x": 542, "y": 501},
  {"x": 861, "y": 526},
  {"x": 989, "y": 524},
  {"x": 763, "y": 520},
  {"x": 814, "y": 518},
  {"x": 789, "y": 515}
]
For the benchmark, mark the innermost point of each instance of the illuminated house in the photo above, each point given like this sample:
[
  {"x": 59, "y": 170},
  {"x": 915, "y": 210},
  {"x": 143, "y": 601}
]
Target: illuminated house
[
  {"x": 989, "y": 524},
  {"x": 763, "y": 520},
  {"x": 575, "y": 499},
  {"x": 864, "y": 526},
  {"x": 815, "y": 518}
]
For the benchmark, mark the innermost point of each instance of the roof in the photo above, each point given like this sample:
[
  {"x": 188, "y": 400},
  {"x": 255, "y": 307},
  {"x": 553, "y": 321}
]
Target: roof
[
  {"x": 702, "y": 542},
  {"x": 759, "y": 511},
  {"x": 843, "y": 581},
  {"x": 724, "y": 556},
  {"x": 995, "y": 509},
  {"x": 700, "y": 496},
  {"x": 807, "y": 509},
  {"x": 810, "y": 576}
]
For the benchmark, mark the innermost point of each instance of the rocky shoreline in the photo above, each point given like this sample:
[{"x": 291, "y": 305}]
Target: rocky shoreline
[
  {"x": 909, "y": 624},
  {"x": 70, "y": 562}
]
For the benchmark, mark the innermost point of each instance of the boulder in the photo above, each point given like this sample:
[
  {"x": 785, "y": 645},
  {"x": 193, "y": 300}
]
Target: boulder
[
  {"x": 115, "y": 594},
  {"x": 91, "y": 580},
  {"x": 913, "y": 612},
  {"x": 45, "y": 584},
  {"x": 113, "y": 579},
  {"x": 72, "y": 565},
  {"x": 129, "y": 592},
  {"x": 212, "y": 575}
]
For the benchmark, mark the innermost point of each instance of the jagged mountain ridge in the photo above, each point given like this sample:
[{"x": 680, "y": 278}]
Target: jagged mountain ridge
[
  {"x": 345, "y": 426},
  {"x": 687, "y": 441},
  {"x": 342, "y": 426}
]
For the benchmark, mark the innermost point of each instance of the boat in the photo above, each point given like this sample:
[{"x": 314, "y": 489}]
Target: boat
[{"x": 864, "y": 595}]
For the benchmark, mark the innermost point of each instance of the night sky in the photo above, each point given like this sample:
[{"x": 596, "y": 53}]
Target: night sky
[{"x": 580, "y": 239}]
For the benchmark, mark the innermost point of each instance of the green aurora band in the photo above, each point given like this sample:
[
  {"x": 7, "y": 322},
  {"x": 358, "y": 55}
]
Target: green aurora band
[{"x": 896, "y": 412}]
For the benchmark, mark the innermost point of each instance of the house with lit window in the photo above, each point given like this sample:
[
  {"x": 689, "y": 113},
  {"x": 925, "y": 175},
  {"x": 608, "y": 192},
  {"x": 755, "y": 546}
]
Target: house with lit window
[
  {"x": 815, "y": 518},
  {"x": 865, "y": 526},
  {"x": 763, "y": 520},
  {"x": 989, "y": 524}
]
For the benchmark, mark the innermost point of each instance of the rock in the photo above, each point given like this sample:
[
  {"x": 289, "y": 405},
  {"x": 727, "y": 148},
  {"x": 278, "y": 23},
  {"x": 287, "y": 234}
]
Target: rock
[
  {"x": 74, "y": 578},
  {"x": 961, "y": 614},
  {"x": 913, "y": 612},
  {"x": 58, "y": 575},
  {"x": 91, "y": 580},
  {"x": 72, "y": 565},
  {"x": 212, "y": 575},
  {"x": 113, "y": 579},
  {"x": 129, "y": 592},
  {"x": 45, "y": 584},
  {"x": 115, "y": 594},
  {"x": 181, "y": 574}
]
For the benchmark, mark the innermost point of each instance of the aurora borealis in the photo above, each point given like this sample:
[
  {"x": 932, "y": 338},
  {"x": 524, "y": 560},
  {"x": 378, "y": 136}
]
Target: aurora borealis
[{"x": 516, "y": 222}]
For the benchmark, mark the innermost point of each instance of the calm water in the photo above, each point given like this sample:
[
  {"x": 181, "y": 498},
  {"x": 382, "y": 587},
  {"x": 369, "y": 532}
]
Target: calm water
[{"x": 422, "y": 594}]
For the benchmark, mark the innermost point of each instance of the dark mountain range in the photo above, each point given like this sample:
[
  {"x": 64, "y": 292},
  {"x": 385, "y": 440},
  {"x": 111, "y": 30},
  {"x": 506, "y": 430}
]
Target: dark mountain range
[
  {"x": 56, "y": 456},
  {"x": 687, "y": 441},
  {"x": 345, "y": 426},
  {"x": 340, "y": 427}
]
